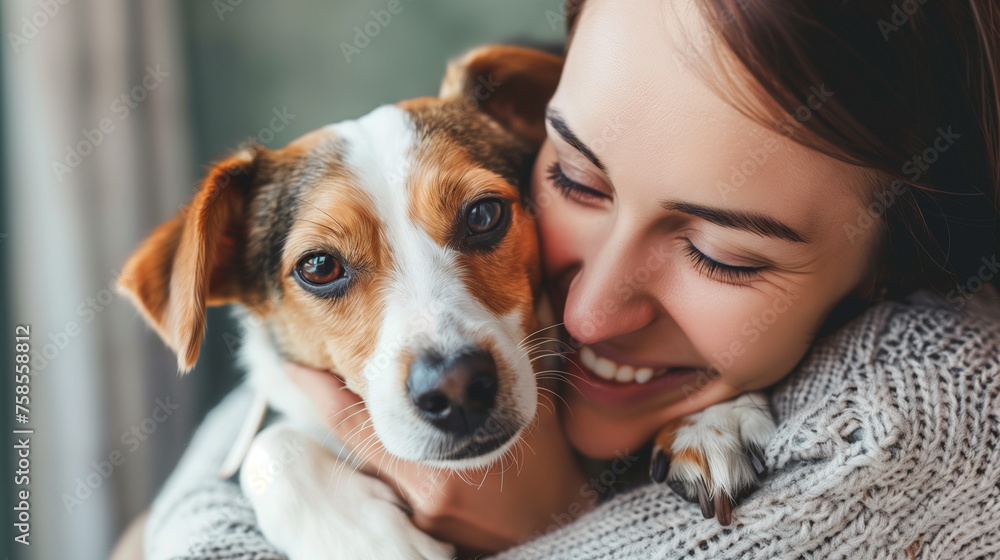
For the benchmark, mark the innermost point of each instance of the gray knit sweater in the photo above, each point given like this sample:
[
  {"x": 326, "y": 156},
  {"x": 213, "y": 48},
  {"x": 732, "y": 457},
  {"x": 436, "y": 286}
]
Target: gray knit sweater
[{"x": 888, "y": 446}]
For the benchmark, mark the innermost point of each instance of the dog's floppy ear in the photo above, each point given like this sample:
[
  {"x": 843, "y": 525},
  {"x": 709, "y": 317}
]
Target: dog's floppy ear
[
  {"x": 511, "y": 84},
  {"x": 187, "y": 262}
]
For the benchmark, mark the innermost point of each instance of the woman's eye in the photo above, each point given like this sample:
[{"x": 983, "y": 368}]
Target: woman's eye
[
  {"x": 484, "y": 216},
  {"x": 738, "y": 275},
  {"x": 319, "y": 269},
  {"x": 570, "y": 188}
]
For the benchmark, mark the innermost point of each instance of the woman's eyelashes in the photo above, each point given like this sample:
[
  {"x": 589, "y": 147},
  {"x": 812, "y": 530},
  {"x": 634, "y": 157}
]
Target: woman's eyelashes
[
  {"x": 738, "y": 275},
  {"x": 711, "y": 268},
  {"x": 570, "y": 188}
]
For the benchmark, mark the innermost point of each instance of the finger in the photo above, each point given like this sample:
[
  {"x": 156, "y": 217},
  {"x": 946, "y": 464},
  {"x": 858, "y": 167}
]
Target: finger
[{"x": 324, "y": 389}]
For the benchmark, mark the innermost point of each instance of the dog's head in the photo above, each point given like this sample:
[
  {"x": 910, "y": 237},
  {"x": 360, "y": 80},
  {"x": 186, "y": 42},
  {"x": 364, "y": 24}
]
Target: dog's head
[{"x": 393, "y": 250}]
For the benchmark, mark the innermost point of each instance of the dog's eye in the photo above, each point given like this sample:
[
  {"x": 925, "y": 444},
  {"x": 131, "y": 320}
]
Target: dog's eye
[
  {"x": 484, "y": 215},
  {"x": 486, "y": 223},
  {"x": 319, "y": 269}
]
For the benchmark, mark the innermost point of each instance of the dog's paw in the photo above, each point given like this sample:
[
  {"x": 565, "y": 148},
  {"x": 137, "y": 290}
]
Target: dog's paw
[
  {"x": 310, "y": 512},
  {"x": 715, "y": 457}
]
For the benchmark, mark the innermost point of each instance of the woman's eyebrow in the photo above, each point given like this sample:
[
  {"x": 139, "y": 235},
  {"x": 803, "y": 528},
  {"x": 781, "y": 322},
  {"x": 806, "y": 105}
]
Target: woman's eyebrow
[
  {"x": 747, "y": 221},
  {"x": 557, "y": 122}
]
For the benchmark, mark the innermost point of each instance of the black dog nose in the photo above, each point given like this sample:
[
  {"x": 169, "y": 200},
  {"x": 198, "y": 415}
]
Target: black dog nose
[{"x": 455, "y": 392}]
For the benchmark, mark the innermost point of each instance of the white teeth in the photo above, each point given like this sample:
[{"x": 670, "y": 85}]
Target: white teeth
[
  {"x": 588, "y": 358},
  {"x": 625, "y": 374},
  {"x": 605, "y": 368}
]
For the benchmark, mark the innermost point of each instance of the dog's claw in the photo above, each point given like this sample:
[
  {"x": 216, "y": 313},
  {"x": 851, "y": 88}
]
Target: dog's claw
[
  {"x": 706, "y": 503},
  {"x": 724, "y": 509},
  {"x": 715, "y": 457},
  {"x": 658, "y": 466}
]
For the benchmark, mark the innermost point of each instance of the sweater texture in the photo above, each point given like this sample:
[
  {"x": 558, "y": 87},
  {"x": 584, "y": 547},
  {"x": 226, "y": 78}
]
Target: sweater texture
[{"x": 888, "y": 446}]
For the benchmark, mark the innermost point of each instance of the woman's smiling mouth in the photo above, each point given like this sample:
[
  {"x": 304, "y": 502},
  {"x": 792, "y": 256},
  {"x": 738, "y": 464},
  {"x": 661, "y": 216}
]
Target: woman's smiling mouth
[{"x": 606, "y": 382}]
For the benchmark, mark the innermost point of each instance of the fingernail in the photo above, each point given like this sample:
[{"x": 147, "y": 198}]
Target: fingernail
[
  {"x": 724, "y": 509},
  {"x": 658, "y": 466},
  {"x": 707, "y": 507},
  {"x": 757, "y": 458}
]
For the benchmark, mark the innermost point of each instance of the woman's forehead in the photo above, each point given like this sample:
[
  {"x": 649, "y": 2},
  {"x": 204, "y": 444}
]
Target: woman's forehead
[{"x": 629, "y": 94}]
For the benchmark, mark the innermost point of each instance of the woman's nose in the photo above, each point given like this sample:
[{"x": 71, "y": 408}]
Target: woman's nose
[{"x": 609, "y": 296}]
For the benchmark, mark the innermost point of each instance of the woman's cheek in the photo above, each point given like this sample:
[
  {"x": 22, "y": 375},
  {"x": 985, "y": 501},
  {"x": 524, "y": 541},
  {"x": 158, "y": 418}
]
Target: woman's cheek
[
  {"x": 761, "y": 345},
  {"x": 556, "y": 226}
]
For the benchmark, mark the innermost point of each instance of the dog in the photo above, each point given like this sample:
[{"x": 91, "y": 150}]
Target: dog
[{"x": 395, "y": 251}]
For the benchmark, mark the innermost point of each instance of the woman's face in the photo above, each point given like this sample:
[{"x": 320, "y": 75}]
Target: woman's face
[{"x": 693, "y": 252}]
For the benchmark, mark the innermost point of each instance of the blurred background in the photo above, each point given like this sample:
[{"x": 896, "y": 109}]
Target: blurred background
[{"x": 111, "y": 112}]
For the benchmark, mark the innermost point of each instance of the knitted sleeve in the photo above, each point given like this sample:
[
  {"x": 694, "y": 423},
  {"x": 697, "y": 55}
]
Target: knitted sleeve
[
  {"x": 888, "y": 446},
  {"x": 198, "y": 516}
]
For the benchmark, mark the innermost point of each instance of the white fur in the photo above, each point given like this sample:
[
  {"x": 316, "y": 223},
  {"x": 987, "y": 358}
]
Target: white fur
[
  {"x": 304, "y": 504},
  {"x": 287, "y": 478},
  {"x": 721, "y": 433},
  {"x": 429, "y": 307}
]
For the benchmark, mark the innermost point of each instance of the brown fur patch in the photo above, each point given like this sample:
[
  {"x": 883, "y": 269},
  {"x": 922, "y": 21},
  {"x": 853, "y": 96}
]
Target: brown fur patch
[
  {"x": 511, "y": 84},
  {"x": 182, "y": 266},
  {"x": 339, "y": 334},
  {"x": 668, "y": 433},
  {"x": 692, "y": 456},
  {"x": 452, "y": 168}
]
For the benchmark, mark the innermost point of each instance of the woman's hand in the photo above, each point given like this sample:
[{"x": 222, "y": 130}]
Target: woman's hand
[{"x": 536, "y": 487}]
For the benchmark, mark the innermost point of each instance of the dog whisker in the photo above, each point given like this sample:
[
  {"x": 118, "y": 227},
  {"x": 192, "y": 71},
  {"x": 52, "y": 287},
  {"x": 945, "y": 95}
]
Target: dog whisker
[
  {"x": 347, "y": 460},
  {"x": 554, "y": 394},
  {"x": 543, "y": 329},
  {"x": 330, "y": 431}
]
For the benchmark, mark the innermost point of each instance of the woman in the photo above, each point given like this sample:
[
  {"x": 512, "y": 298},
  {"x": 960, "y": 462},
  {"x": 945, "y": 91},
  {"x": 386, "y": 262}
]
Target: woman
[{"x": 729, "y": 187}]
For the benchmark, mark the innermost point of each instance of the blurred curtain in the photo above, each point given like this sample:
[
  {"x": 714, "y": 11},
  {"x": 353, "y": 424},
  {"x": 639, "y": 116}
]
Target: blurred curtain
[{"x": 88, "y": 84}]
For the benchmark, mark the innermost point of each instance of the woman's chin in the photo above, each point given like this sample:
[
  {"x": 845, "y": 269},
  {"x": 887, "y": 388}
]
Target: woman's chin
[
  {"x": 600, "y": 430},
  {"x": 598, "y": 436}
]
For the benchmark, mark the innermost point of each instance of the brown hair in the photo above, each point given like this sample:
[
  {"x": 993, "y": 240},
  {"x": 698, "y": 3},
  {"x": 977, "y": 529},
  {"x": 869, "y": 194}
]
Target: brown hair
[{"x": 916, "y": 102}]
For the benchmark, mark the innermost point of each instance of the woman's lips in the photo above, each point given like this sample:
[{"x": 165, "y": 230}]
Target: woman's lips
[{"x": 612, "y": 393}]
